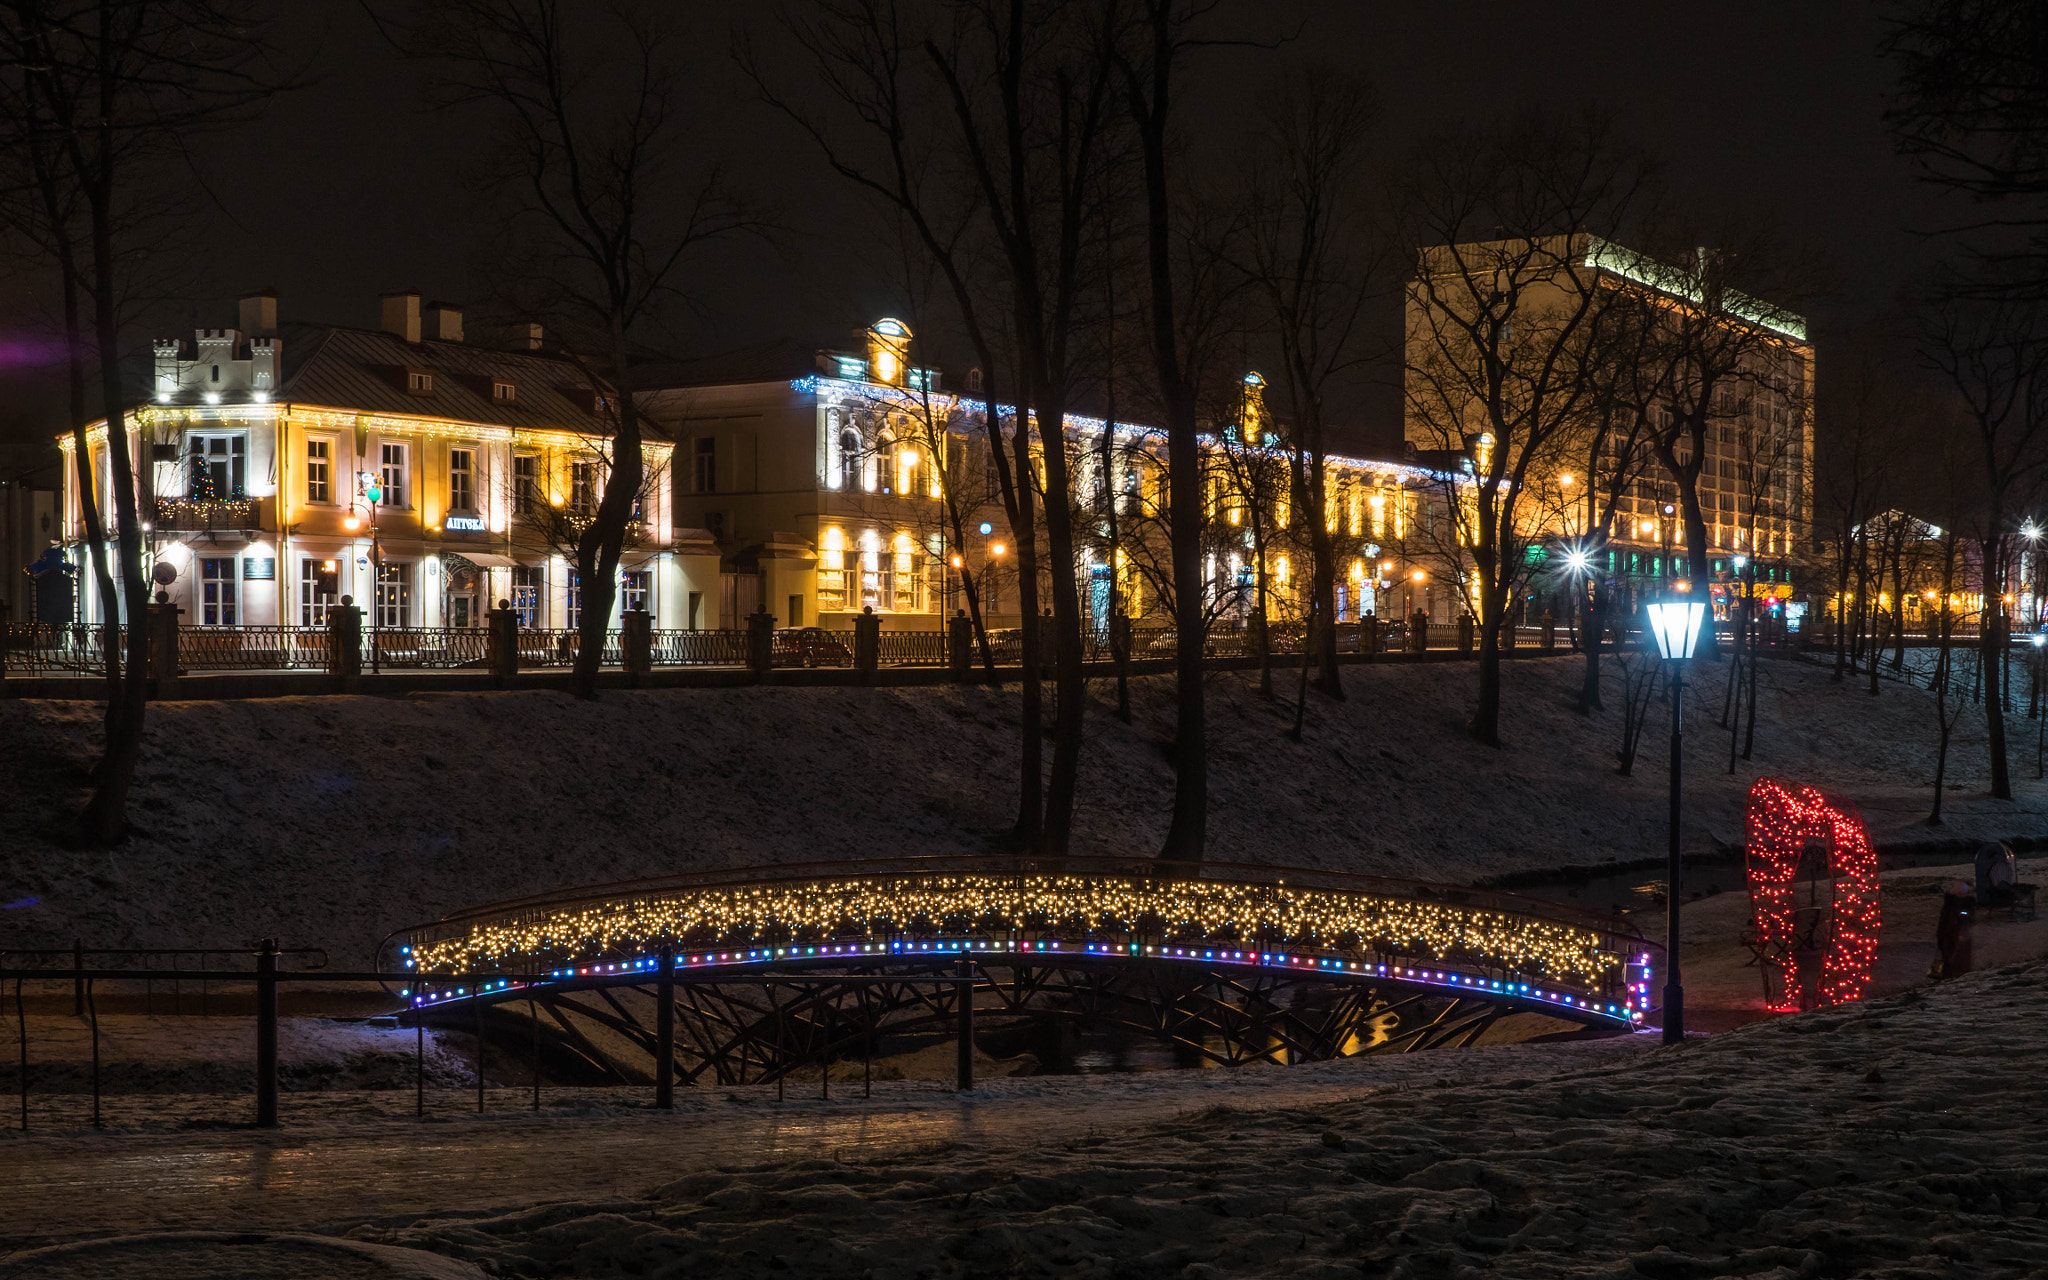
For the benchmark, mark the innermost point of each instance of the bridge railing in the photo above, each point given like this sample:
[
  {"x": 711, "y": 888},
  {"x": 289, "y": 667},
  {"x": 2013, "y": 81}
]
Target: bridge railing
[{"x": 1136, "y": 901}]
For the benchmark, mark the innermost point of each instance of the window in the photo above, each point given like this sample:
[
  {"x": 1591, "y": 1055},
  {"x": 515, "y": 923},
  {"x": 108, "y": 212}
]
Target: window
[
  {"x": 217, "y": 592},
  {"x": 317, "y": 462},
  {"x": 635, "y": 589},
  {"x": 419, "y": 382},
  {"x": 572, "y": 599},
  {"x": 526, "y": 588},
  {"x": 849, "y": 459},
  {"x": 217, "y": 466},
  {"x": 319, "y": 587},
  {"x": 394, "y": 595},
  {"x": 704, "y": 464},
  {"x": 525, "y": 484},
  {"x": 582, "y": 488},
  {"x": 885, "y": 464},
  {"x": 392, "y": 473},
  {"x": 503, "y": 392},
  {"x": 462, "y": 480},
  {"x": 877, "y": 580}
]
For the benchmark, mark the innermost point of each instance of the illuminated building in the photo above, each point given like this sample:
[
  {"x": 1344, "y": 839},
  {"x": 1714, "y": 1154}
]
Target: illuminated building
[
  {"x": 824, "y": 478},
  {"x": 285, "y": 466},
  {"x": 1755, "y": 486}
]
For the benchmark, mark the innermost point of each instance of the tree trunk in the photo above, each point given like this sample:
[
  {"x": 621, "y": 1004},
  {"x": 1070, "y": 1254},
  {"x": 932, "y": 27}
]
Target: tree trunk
[
  {"x": 105, "y": 815},
  {"x": 1071, "y": 703},
  {"x": 601, "y": 544},
  {"x": 1594, "y": 629}
]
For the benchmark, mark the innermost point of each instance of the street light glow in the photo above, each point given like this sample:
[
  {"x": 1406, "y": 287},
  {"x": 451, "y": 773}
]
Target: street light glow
[{"x": 1676, "y": 626}]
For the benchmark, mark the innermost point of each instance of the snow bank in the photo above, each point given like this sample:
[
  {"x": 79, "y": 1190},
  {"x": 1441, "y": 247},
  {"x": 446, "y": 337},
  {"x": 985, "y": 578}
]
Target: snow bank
[
  {"x": 331, "y": 821},
  {"x": 1894, "y": 1138}
]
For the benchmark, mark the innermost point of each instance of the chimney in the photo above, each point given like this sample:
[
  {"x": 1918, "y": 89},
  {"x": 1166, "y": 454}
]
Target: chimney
[
  {"x": 528, "y": 337},
  {"x": 402, "y": 314},
  {"x": 259, "y": 314},
  {"x": 444, "y": 321}
]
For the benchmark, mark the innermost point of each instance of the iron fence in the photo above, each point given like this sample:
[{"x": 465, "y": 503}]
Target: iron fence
[
  {"x": 40, "y": 648},
  {"x": 699, "y": 648},
  {"x": 252, "y": 648},
  {"x": 911, "y": 649},
  {"x": 430, "y": 648}
]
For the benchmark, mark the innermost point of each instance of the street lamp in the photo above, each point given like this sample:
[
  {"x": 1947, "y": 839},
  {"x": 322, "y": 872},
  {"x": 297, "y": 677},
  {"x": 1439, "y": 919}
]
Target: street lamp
[{"x": 1676, "y": 626}]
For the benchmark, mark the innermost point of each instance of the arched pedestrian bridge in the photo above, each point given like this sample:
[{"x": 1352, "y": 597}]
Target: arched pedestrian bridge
[{"x": 743, "y": 975}]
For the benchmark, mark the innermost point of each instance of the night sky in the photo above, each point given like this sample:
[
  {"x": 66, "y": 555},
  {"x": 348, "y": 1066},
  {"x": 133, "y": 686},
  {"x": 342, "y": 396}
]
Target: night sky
[{"x": 348, "y": 188}]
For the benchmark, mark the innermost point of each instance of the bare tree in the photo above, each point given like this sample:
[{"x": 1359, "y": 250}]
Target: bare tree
[
  {"x": 115, "y": 91},
  {"x": 1972, "y": 108},
  {"x": 1152, "y": 42},
  {"x": 985, "y": 135},
  {"x": 1506, "y": 317},
  {"x": 1994, "y": 354},
  {"x": 608, "y": 209},
  {"x": 1315, "y": 265}
]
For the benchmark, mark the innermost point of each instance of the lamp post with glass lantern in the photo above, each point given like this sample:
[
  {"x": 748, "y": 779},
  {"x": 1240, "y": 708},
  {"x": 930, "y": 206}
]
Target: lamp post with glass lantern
[{"x": 1676, "y": 625}]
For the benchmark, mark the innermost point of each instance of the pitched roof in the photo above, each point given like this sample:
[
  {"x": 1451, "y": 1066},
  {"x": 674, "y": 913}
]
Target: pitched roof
[{"x": 366, "y": 369}]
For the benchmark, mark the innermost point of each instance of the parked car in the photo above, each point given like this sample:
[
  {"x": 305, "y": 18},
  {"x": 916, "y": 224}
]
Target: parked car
[{"x": 810, "y": 647}]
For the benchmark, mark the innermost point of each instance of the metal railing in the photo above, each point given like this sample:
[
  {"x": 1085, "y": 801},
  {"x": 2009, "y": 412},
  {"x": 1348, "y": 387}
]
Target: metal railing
[
  {"x": 202, "y": 648},
  {"x": 430, "y": 648},
  {"x": 911, "y": 648},
  {"x": 192, "y": 515},
  {"x": 699, "y": 648},
  {"x": 41, "y": 648}
]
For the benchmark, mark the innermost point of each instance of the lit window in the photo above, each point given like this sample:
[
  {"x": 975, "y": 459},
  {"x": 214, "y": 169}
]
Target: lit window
[
  {"x": 391, "y": 471},
  {"x": 419, "y": 382},
  {"x": 525, "y": 483},
  {"x": 317, "y": 461},
  {"x": 526, "y": 587},
  {"x": 394, "y": 595},
  {"x": 503, "y": 392},
  {"x": 217, "y": 592},
  {"x": 462, "y": 480}
]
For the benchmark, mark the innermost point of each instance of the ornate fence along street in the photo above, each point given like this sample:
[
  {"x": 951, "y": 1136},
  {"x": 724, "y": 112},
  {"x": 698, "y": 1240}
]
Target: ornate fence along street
[{"x": 1226, "y": 963}]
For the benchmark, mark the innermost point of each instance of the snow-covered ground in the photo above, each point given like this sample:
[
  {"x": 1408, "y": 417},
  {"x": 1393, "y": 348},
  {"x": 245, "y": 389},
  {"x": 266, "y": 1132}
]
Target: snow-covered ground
[
  {"x": 1895, "y": 1138},
  {"x": 331, "y": 821}
]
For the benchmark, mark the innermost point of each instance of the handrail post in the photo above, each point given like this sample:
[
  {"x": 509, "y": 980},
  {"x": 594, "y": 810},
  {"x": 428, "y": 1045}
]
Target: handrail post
[
  {"x": 665, "y": 1032},
  {"x": 966, "y": 1032},
  {"x": 266, "y": 1035}
]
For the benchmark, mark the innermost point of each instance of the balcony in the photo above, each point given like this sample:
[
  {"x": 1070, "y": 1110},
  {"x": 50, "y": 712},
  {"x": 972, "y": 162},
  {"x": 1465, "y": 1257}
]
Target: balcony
[{"x": 206, "y": 515}]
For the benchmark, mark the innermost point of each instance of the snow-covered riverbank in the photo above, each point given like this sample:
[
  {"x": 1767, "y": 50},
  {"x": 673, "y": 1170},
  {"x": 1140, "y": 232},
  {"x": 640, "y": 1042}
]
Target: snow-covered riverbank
[{"x": 330, "y": 821}]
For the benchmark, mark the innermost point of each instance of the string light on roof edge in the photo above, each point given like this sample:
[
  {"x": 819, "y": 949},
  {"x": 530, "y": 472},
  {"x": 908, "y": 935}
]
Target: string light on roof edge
[{"x": 1782, "y": 823}]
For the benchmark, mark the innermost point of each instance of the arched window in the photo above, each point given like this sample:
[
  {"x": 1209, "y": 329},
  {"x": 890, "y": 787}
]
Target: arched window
[
  {"x": 885, "y": 463},
  {"x": 849, "y": 459}
]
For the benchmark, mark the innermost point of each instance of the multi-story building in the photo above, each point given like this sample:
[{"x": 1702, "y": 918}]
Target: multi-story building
[
  {"x": 283, "y": 467},
  {"x": 1755, "y": 486},
  {"x": 828, "y": 487}
]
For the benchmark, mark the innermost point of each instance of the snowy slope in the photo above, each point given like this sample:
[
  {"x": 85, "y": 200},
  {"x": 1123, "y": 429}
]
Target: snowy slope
[{"x": 331, "y": 821}]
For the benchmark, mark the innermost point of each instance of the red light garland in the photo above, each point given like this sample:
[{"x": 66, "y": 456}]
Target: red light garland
[{"x": 1782, "y": 823}]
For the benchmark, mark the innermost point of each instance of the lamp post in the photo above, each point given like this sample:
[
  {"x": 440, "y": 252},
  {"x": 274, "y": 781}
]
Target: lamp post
[{"x": 1676, "y": 626}]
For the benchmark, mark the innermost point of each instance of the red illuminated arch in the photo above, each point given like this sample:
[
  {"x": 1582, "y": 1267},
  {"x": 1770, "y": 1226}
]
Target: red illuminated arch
[{"x": 1782, "y": 822}]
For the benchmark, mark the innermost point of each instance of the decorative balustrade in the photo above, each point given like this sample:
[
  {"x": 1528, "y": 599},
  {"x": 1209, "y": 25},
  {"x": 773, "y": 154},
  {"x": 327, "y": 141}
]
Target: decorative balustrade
[
  {"x": 699, "y": 648},
  {"x": 199, "y": 515},
  {"x": 45, "y": 648}
]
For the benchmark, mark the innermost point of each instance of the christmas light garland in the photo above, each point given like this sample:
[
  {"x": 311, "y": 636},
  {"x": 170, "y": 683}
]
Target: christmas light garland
[
  {"x": 1352, "y": 933},
  {"x": 1782, "y": 824}
]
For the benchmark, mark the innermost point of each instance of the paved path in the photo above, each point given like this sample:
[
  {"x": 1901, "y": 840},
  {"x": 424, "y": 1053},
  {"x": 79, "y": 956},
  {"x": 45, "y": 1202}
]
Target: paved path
[{"x": 344, "y": 1159}]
